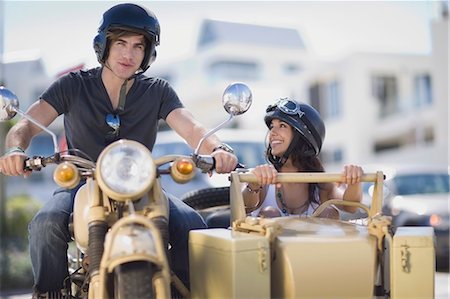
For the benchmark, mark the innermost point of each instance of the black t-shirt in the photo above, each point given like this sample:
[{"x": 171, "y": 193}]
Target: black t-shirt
[{"x": 84, "y": 101}]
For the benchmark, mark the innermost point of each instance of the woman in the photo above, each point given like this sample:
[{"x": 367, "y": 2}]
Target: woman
[{"x": 296, "y": 134}]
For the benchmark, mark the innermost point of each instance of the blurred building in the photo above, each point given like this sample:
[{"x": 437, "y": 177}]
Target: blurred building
[
  {"x": 268, "y": 59},
  {"x": 378, "y": 108},
  {"x": 24, "y": 73}
]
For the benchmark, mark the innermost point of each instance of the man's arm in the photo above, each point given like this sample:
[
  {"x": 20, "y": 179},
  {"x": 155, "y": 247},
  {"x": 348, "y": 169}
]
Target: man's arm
[
  {"x": 20, "y": 135},
  {"x": 183, "y": 122}
]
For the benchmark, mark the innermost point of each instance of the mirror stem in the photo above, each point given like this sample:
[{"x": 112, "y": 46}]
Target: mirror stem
[
  {"x": 55, "y": 141},
  {"x": 212, "y": 132}
]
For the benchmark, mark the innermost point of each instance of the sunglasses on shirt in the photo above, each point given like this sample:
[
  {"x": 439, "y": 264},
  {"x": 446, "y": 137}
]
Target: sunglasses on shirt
[{"x": 113, "y": 120}]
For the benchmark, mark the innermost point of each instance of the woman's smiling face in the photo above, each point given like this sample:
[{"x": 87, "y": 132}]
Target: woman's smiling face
[{"x": 280, "y": 136}]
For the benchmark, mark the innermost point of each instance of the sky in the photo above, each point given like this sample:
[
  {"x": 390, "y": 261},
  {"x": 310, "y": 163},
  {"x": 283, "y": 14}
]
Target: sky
[{"x": 62, "y": 31}]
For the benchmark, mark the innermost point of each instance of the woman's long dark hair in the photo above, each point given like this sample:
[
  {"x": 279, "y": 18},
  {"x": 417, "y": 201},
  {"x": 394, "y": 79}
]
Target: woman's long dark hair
[{"x": 305, "y": 163}]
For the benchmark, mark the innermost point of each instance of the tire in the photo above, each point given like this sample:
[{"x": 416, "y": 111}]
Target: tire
[
  {"x": 207, "y": 198},
  {"x": 133, "y": 281}
]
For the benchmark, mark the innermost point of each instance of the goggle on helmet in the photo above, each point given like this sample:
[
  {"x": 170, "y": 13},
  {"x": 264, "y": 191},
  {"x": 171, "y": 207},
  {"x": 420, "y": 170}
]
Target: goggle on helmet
[{"x": 302, "y": 117}]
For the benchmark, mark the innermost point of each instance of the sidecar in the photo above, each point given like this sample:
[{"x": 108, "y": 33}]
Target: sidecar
[{"x": 311, "y": 257}]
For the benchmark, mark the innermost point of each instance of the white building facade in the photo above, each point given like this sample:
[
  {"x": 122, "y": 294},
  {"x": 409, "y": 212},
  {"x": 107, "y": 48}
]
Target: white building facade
[{"x": 378, "y": 108}]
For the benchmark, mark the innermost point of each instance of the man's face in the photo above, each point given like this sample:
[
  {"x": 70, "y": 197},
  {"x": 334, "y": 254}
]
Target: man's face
[{"x": 126, "y": 55}]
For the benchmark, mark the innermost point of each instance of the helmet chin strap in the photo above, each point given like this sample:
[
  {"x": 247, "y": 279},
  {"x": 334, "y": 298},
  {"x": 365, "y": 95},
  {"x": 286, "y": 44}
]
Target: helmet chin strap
[{"x": 123, "y": 88}]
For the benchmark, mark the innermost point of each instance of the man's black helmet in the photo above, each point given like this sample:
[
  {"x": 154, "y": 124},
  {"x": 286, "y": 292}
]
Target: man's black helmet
[
  {"x": 302, "y": 117},
  {"x": 133, "y": 18}
]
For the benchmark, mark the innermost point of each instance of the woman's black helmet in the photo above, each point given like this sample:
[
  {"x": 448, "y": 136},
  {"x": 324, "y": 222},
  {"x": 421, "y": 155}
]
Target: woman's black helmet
[
  {"x": 302, "y": 117},
  {"x": 133, "y": 18}
]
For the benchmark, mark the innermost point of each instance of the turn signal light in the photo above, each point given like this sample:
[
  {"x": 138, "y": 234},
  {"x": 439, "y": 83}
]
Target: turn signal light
[
  {"x": 182, "y": 170},
  {"x": 66, "y": 175},
  {"x": 185, "y": 166}
]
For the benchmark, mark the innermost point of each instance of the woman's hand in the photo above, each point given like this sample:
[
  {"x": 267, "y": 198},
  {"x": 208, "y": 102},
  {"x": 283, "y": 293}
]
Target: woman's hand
[
  {"x": 352, "y": 174},
  {"x": 266, "y": 175}
]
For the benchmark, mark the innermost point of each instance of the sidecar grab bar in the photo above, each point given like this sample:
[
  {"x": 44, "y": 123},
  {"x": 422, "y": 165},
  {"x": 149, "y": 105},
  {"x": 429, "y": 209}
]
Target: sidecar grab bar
[
  {"x": 237, "y": 201},
  {"x": 306, "y": 177}
]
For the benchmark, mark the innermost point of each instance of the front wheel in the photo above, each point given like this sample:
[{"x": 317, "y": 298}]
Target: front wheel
[{"x": 133, "y": 280}]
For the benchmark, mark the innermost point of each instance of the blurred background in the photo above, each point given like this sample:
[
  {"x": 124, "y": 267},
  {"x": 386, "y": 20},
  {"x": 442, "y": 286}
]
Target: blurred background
[{"x": 377, "y": 71}]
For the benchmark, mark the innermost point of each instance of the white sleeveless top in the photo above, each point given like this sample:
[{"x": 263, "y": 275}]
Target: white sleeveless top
[{"x": 270, "y": 200}]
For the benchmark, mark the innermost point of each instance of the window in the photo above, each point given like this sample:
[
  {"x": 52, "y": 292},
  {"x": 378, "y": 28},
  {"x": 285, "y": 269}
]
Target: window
[
  {"x": 234, "y": 70},
  {"x": 384, "y": 89},
  {"x": 326, "y": 98},
  {"x": 333, "y": 99},
  {"x": 291, "y": 69},
  {"x": 387, "y": 145},
  {"x": 329, "y": 156},
  {"x": 422, "y": 90}
]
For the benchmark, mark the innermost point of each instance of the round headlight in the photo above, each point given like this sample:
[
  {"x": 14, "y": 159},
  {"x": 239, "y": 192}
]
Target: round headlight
[{"x": 125, "y": 170}]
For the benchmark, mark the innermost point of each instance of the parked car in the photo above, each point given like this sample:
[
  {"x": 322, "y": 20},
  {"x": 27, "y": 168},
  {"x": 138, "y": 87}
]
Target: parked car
[
  {"x": 419, "y": 196},
  {"x": 247, "y": 144}
]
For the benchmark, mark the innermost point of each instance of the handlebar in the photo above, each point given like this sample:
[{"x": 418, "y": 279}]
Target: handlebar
[
  {"x": 36, "y": 163},
  {"x": 207, "y": 163}
]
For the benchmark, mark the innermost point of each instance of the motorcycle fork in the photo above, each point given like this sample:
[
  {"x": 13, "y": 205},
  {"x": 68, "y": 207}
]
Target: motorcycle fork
[
  {"x": 150, "y": 234},
  {"x": 98, "y": 228}
]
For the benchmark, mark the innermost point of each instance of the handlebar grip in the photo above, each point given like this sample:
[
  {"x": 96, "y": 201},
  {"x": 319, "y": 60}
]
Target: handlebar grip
[
  {"x": 208, "y": 163},
  {"x": 205, "y": 163},
  {"x": 239, "y": 165},
  {"x": 33, "y": 164}
]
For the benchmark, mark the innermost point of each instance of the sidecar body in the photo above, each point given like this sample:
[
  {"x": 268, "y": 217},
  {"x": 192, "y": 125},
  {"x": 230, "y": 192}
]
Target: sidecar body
[{"x": 311, "y": 257}]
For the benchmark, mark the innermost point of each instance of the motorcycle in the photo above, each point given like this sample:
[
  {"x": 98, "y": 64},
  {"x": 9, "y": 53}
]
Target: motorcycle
[{"x": 120, "y": 216}]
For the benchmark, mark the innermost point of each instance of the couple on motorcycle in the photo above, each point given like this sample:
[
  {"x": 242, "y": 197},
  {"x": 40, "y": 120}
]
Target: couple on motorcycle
[{"x": 116, "y": 101}]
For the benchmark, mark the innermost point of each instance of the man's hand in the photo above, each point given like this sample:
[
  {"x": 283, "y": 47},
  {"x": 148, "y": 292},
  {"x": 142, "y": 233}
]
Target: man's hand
[
  {"x": 12, "y": 164},
  {"x": 225, "y": 162}
]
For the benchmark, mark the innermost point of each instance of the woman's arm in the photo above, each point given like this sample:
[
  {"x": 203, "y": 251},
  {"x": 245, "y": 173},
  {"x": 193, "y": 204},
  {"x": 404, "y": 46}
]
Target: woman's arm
[
  {"x": 351, "y": 176},
  {"x": 255, "y": 193}
]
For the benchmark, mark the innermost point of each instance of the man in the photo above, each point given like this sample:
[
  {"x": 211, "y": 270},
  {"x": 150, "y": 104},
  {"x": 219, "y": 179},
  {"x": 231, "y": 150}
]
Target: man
[{"x": 99, "y": 106}]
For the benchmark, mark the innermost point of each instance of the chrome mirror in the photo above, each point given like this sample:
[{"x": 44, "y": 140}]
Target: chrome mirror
[
  {"x": 9, "y": 107},
  {"x": 237, "y": 98},
  {"x": 9, "y": 104}
]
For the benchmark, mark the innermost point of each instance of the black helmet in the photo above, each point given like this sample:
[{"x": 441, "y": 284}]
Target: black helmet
[
  {"x": 129, "y": 17},
  {"x": 303, "y": 117}
]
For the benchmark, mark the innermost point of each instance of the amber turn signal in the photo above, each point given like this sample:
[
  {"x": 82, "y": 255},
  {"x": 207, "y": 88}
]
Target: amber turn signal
[
  {"x": 66, "y": 175},
  {"x": 185, "y": 166},
  {"x": 182, "y": 170}
]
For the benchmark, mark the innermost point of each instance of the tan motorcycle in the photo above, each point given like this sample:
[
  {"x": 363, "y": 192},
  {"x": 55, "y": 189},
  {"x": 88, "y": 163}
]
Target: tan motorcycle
[{"x": 120, "y": 216}]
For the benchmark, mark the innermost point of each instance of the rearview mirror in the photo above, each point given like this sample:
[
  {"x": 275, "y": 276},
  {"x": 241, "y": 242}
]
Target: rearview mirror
[
  {"x": 9, "y": 107},
  {"x": 237, "y": 98},
  {"x": 9, "y": 104}
]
